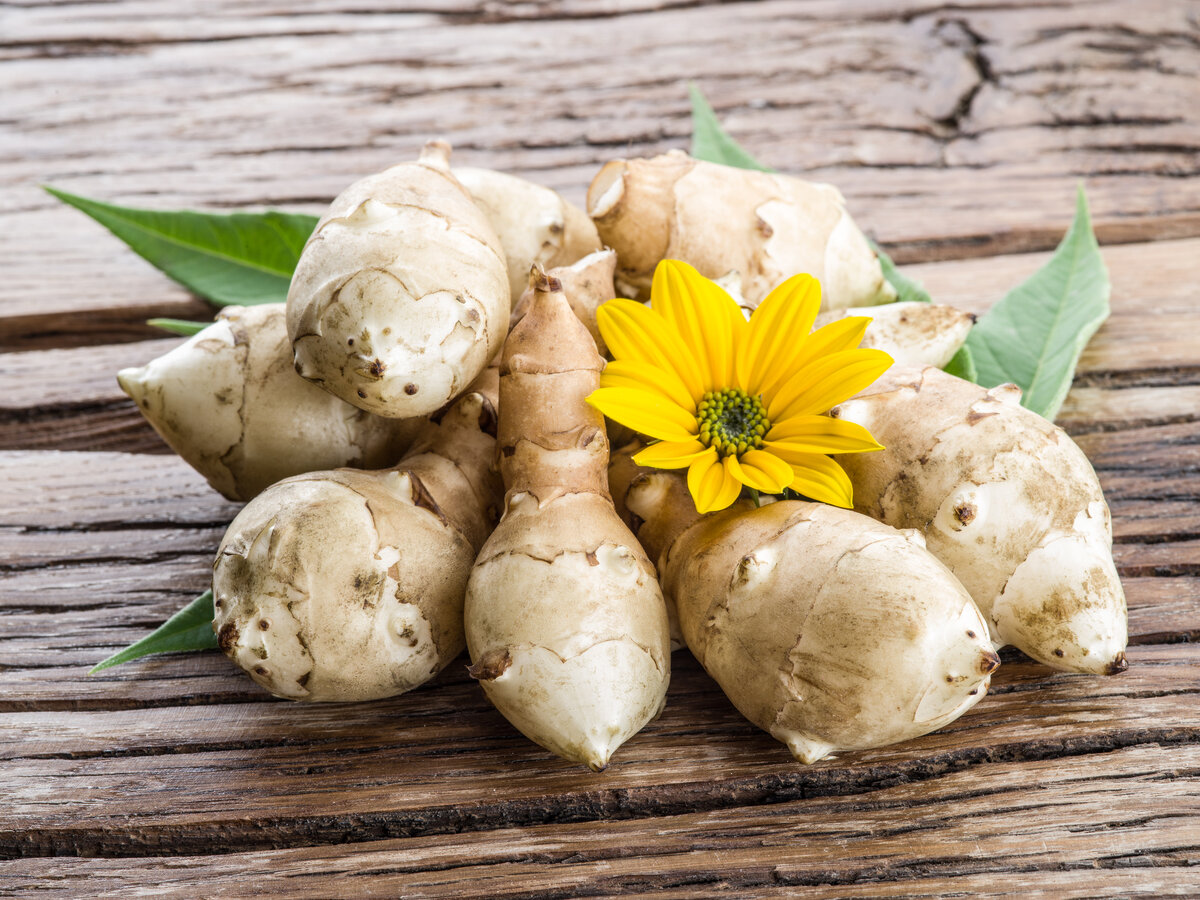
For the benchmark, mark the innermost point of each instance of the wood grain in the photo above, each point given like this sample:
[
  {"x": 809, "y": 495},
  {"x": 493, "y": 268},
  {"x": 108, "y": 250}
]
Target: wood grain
[{"x": 984, "y": 114}]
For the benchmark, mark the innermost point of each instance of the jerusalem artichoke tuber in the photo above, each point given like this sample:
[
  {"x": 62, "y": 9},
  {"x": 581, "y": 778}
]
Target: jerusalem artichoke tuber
[
  {"x": 230, "y": 403},
  {"x": 825, "y": 628},
  {"x": 401, "y": 295},
  {"x": 1007, "y": 501},
  {"x": 913, "y": 334},
  {"x": 349, "y": 585},
  {"x": 565, "y": 620},
  {"x": 757, "y": 227}
]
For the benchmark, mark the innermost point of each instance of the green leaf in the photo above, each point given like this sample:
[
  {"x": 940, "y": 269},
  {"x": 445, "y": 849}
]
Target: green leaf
[
  {"x": 710, "y": 142},
  {"x": 179, "y": 326},
  {"x": 188, "y": 629},
  {"x": 1034, "y": 335},
  {"x": 962, "y": 365},
  {"x": 907, "y": 290},
  {"x": 235, "y": 259}
]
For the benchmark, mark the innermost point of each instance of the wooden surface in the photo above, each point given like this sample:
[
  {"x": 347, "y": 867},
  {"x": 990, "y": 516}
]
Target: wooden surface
[{"x": 957, "y": 133}]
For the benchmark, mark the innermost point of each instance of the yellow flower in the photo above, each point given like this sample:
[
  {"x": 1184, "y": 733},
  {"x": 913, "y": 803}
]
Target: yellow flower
[{"x": 736, "y": 402}]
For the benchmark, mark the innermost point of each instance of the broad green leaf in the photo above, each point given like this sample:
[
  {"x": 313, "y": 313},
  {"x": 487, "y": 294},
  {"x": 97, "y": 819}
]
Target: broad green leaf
[
  {"x": 907, "y": 290},
  {"x": 962, "y": 365},
  {"x": 188, "y": 629},
  {"x": 234, "y": 259},
  {"x": 179, "y": 326},
  {"x": 1034, "y": 335},
  {"x": 710, "y": 142}
]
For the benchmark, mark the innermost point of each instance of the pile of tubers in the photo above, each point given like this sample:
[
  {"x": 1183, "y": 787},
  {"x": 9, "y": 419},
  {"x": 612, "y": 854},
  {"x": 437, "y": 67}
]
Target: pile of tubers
[{"x": 422, "y": 474}]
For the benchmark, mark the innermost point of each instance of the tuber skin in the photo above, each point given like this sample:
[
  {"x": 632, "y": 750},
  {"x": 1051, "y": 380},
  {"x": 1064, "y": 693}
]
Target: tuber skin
[
  {"x": 749, "y": 230},
  {"x": 914, "y": 333},
  {"x": 565, "y": 620},
  {"x": 349, "y": 585},
  {"x": 1007, "y": 501},
  {"x": 535, "y": 225},
  {"x": 587, "y": 283},
  {"x": 230, "y": 403},
  {"x": 401, "y": 297},
  {"x": 823, "y": 627}
]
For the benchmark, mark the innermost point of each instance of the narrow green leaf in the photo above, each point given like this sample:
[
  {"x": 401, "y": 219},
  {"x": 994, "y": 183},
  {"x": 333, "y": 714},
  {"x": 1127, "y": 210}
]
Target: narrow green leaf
[
  {"x": 188, "y": 629},
  {"x": 710, "y": 142},
  {"x": 1034, "y": 335},
  {"x": 907, "y": 290},
  {"x": 179, "y": 326},
  {"x": 235, "y": 259},
  {"x": 962, "y": 365}
]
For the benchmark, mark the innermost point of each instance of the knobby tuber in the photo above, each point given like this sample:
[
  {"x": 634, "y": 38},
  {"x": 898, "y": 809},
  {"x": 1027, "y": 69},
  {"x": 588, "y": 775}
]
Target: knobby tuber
[
  {"x": 349, "y": 585},
  {"x": 565, "y": 619},
  {"x": 230, "y": 403},
  {"x": 400, "y": 298},
  {"x": 1005, "y": 499},
  {"x": 535, "y": 225},
  {"x": 752, "y": 230},
  {"x": 827, "y": 629}
]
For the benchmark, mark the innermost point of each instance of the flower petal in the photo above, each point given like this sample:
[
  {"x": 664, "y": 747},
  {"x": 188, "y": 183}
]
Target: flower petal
[
  {"x": 775, "y": 339},
  {"x": 820, "y": 478},
  {"x": 820, "y": 434},
  {"x": 707, "y": 319},
  {"x": 670, "y": 454},
  {"x": 705, "y": 478},
  {"x": 827, "y": 381},
  {"x": 762, "y": 471},
  {"x": 634, "y": 373},
  {"x": 646, "y": 412},
  {"x": 636, "y": 332},
  {"x": 840, "y": 334}
]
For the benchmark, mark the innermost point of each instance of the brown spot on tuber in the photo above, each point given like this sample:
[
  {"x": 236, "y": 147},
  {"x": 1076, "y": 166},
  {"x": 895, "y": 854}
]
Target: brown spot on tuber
[
  {"x": 410, "y": 389},
  {"x": 965, "y": 513},
  {"x": 491, "y": 665},
  {"x": 989, "y": 662},
  {"x": 377, "y": 368},
  {"x": 362, "y": 395},
  {"x": 971, "y": 633},
  {"x": 592, "y": 559},
  {"x": 262, "y": 670},
  {"x": 1058, "y": 652},
  {"x": 1119, "y": 664},
  {"x": 974, "y": 417},
  {"x": 763, "y": 227},
  {"x": 227, "y": 637},
  {"x": 263, "y": 624}
]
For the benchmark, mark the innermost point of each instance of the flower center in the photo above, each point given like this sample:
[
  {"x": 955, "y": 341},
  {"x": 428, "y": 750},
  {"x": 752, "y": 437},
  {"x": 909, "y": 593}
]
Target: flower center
[{"x": 731, "y": 421}]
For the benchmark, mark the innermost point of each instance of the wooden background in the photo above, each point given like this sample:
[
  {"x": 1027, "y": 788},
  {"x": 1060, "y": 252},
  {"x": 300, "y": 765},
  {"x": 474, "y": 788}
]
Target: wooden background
[{"x": 957, "y": 131}]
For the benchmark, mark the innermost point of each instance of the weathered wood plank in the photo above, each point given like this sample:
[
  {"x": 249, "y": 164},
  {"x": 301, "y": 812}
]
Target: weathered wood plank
[
  {"x": 966, "y": 110},
  {"x": 443, "y": 760}
]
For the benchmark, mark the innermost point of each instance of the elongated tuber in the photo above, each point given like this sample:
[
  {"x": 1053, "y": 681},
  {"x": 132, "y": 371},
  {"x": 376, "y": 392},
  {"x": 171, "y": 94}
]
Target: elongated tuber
[
  {"x": 535, "y": 225},
  {"x": 913, "y": 334},
  {"x": 565, "y": 620},
  {"x": 1007, "y": 501},
  {"x": 823, "y": 627},
  {"x": 228, "y": 401},
  {"x": 757, "y": 227},
  {"x": 349, "y": 585},
  {"x": 401, "y": 295}
]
